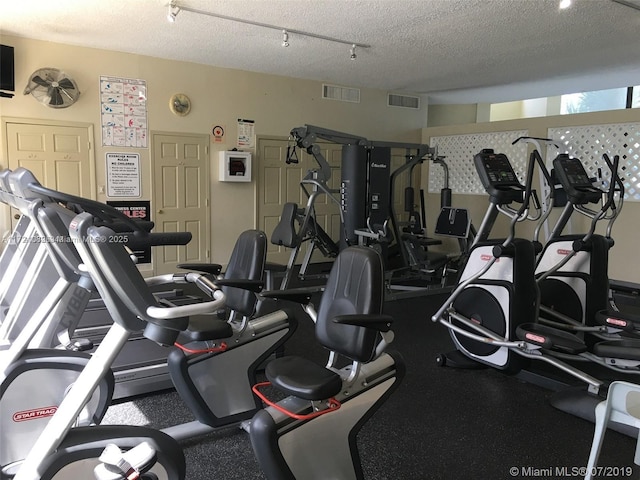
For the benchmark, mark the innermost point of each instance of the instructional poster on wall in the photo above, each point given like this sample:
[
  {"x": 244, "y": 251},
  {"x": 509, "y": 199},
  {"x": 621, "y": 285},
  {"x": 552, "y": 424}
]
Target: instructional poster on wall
[
  {"x": 246, "y": 133},
  {"x": 123, "y": 175},
  {"x": 123, "y": 107}
]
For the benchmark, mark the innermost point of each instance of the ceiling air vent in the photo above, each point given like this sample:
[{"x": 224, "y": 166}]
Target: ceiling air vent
[
  {"x": 343, "y": 94},
  {"x": 407, "y": 101}
]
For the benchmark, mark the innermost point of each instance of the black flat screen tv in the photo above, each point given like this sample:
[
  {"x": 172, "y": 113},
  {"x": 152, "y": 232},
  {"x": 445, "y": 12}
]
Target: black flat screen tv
[{"x": 7, "y": 75}]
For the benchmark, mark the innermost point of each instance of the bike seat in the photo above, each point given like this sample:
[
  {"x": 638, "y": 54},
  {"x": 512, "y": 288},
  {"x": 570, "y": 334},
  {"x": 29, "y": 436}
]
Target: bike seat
[
  {"x": 202, "y": 328},
  {"x": 302, "y": 378}
]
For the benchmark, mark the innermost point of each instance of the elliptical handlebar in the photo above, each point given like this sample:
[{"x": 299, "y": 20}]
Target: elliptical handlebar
[
  {"x": 615, "y": 180},
  {"x": 609, "y": 204},
  {"x": 616, "y": 208}
]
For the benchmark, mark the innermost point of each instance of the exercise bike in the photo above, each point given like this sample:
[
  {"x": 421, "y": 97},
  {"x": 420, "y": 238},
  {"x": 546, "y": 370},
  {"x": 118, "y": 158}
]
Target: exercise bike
[
  {"x": 33, "y": 381},
  {"x": 311, "y": 434},
  {"x": 61, "y": 450},
  {"x": 216, "y": 397}
]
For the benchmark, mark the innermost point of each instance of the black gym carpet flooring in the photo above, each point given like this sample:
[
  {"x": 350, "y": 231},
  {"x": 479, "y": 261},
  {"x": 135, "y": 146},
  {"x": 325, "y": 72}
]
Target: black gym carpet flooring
[{"x": 441, "y": 423}]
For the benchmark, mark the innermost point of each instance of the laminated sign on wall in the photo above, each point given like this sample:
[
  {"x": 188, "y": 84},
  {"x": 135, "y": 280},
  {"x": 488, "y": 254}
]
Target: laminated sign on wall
[
  {"x": 123, "y": 175},
  {"x": 136, "y": 210}
]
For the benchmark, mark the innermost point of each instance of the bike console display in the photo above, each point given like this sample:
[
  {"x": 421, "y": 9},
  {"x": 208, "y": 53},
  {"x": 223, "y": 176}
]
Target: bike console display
[
  {"x": 498, "y": 178},
  {"x": 574, "y": 180}
]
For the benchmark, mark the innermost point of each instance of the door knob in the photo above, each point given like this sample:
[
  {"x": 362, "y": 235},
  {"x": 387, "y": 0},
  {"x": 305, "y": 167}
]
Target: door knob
[
  {"x": 160, "y": 211},
  {"x": 16, "y": 216}
]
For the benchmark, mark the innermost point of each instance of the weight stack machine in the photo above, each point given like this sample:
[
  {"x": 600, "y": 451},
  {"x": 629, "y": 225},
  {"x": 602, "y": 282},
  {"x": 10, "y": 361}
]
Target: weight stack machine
[{"x": 364, "y": 190}]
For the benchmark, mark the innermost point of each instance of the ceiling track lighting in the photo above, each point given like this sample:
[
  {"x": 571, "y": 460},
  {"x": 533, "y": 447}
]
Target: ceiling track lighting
[
  {"x": 629, "y": 4},
  {"x": 175, "y": 8}
]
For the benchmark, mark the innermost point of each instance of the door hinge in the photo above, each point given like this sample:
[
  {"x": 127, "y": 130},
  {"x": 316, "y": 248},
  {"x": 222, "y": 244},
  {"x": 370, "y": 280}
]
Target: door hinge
[
  {"x": 207, "y": 254},
  {"x": 206, "y": 202},
  {"x": 206, "y": 149}
]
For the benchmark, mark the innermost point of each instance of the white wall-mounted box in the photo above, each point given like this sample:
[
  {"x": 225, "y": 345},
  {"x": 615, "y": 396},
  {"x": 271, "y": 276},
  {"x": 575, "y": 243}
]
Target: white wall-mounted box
[{"x": 235, "y": 166}]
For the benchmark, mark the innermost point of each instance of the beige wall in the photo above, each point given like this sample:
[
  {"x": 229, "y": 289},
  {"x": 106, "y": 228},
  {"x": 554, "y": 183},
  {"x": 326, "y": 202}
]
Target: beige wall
[
  {"x": 624, "y": 265},
  {"x": 451, "y": 115},
  {"x": 219, "y": 96}
]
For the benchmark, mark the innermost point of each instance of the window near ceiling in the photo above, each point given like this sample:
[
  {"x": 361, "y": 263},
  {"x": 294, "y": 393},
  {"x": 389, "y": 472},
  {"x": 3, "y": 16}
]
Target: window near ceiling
[
  {"x": 598, "y": 100},
  {"x": 635, "y": 97}
]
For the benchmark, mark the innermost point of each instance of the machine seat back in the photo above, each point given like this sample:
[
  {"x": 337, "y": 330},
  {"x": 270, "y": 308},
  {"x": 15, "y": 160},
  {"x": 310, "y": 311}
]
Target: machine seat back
[
  {"x": 247, "y": 262},
  {"x": 285, "y": 232},
  {"x": 355, "y": 286}
]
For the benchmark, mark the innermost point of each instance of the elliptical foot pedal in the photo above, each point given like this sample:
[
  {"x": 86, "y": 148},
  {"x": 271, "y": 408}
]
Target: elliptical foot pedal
[
  {"x": 456, "y": 359},
  {"x": 118, "y": 465}
]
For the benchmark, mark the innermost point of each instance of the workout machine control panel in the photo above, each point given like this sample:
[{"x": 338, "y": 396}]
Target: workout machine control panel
[
  {"x": 497, "y": 177},
  {"x": 574, "y": 180}
]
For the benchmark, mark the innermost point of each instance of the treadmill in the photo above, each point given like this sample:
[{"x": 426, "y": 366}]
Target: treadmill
[{"x": 141, "y": 367}]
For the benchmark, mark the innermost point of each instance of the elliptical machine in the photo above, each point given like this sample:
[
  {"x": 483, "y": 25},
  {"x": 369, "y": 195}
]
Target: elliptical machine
[
  {"x": 493, "y": 311},
  {"x": 577, "y": 291}
]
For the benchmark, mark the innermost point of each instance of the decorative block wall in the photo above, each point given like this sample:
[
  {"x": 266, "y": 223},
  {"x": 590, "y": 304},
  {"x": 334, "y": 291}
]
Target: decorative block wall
[
  {"x": 459, "y": 151},
  {"x": 589, "y": 143}
]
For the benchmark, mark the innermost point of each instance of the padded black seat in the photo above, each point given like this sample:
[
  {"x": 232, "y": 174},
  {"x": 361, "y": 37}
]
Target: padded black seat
[
  {"x": 204, "y": 327},
  {"x": 302, "y": 378},
  {"x": 623, "y": 349},
  {"x": 551, "y": 338},
  {"x": 246, "y": 265},
  {"x": 349, "y": 323}
]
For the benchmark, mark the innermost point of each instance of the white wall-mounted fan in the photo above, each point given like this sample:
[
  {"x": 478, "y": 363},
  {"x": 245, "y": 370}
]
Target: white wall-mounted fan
[{"x": 52, "y": 88}]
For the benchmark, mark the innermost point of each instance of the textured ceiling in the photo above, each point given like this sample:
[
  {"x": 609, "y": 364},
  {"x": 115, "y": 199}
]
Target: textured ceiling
[{"x": 455, "y": 51}]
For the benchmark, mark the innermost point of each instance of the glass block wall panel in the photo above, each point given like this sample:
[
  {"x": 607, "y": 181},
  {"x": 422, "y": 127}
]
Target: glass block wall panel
[
  {"x": 459, "y": 151},
  {"x": 589, "y": 143}
]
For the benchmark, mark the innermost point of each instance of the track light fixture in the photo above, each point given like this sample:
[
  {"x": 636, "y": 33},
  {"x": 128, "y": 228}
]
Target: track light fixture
[
  {"x": 565, "y": 4},
  {"x": 173, "y": 12},
  {"x": 175, "y": 8},
  {"x": 628, "y": 3}
]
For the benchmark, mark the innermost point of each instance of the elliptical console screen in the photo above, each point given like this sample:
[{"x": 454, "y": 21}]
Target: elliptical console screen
[
  {"x": 495, "y": 170},
  {"x": 574, "y": 180},
  {"x": 571, "y": 172}
]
